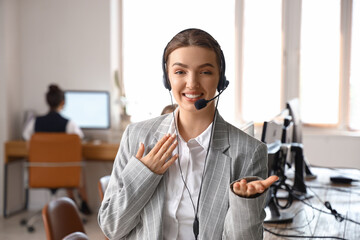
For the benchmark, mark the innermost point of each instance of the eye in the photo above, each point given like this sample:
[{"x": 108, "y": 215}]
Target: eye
[
  {"x": 179, "y": 72},
  {"x": 206, "y": 72}
]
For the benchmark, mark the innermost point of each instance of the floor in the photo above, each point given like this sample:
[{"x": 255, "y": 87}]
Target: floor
[{"x": 10, "y": 228}]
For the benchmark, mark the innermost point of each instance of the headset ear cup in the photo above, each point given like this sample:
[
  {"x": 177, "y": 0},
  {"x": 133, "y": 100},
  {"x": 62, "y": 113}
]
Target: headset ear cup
[
  {"x": 221, "y": 84},
  {"x": 166, "y": 83}
]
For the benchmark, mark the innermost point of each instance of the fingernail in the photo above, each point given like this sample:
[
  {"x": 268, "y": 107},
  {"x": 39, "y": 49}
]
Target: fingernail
[
  {"x": 173, "y": 135},
  {"x": 175, "y": 142}
]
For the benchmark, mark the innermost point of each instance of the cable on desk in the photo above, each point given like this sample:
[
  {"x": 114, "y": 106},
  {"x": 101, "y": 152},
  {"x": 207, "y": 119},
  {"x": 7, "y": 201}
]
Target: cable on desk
[
  {"x": 284, "y": 186},
  {"x": 327, "y": 204},
  {"x": 297, "y": 236},
  {"x": 339, "y": 189},
  {"x": 299, "y": 227}
]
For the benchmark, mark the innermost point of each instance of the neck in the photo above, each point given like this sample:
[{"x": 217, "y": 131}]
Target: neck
[{"x": 192, "y": 124}]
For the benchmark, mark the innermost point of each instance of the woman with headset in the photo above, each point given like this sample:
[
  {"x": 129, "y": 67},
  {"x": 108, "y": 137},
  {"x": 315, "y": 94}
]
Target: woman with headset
[{"x": 188, "y": 174}]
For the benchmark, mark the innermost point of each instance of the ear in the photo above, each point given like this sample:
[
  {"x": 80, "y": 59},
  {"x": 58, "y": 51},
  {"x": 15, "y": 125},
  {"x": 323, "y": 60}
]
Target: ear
[{"x": 61, "y": 105}]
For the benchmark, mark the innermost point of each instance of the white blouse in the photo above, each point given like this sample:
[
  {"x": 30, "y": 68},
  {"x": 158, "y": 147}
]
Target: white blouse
[{"x": 179, "y": 212}]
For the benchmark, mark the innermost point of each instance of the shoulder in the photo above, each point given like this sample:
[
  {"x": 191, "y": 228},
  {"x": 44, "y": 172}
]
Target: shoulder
[
  {"x": 150, "y": 124},
  {"x": 240, "y": 139},
  {"x": 73, "y": 128},
  {"x": 147, "y": 132},
  {"x": 149, "y": 128}
]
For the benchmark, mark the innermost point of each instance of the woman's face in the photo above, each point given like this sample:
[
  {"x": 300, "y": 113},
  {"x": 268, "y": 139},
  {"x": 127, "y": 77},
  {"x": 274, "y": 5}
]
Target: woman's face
[{"x": 194, "y": 74}]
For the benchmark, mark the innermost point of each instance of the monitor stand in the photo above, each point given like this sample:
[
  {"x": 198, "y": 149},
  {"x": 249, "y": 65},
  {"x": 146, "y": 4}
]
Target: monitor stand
[
  {"x": 299, "y": 186},
  {"x": 273, "y": 214},
  {"x": 308, "y": 174}
]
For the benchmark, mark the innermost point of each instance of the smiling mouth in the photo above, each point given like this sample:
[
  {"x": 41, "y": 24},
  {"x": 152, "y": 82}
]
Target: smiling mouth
[{"x": 192, "y": 96}]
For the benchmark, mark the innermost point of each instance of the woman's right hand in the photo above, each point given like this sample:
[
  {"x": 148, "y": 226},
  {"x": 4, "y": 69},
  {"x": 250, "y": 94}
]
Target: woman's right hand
[{"x": 155, "y": 160}]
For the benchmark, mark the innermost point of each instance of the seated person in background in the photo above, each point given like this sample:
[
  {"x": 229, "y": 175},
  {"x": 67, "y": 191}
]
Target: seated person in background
[
  {"x": 54, "y": 122},
  {"x": 169, "y": 109}
]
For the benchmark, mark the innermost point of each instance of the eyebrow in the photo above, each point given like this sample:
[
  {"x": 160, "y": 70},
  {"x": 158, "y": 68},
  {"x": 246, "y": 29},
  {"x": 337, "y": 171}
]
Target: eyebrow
[{"x": 186, "y": 66}]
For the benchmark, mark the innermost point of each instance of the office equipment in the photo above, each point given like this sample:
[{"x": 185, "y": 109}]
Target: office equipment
[
  {"x": 310, "y": 222},
  {"x": 88, "y": 109},
  {"x": 55, "y": 162},
  {"x": 18, "y": 150},
  {"x": 342, "y": 180},
  {"x": 281, "y": 128},
  {"x": 271, "y": 135},
  {"x": 76, "y": 236},
  {"x": 61, "y": 218},
  {"x": 294, "y": 110}
]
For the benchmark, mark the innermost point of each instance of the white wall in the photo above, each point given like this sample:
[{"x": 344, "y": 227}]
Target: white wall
[
  {"x": 332, "y": 148},
  {"x": 46, "y": 41},
  {"x": 10, "y": 96},
  {"x": 64, "y": 42}
]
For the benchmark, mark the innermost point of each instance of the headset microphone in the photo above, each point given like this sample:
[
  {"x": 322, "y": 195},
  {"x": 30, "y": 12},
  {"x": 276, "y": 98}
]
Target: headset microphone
[{"x": 201, "y": 103}]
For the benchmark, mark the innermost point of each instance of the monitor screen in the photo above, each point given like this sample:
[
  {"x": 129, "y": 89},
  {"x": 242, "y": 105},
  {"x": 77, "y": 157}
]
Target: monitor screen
[
  {"x": 294, "y": 110},
  {"x": 271, "y": 132},
  {"x": 88, "y": 109}
]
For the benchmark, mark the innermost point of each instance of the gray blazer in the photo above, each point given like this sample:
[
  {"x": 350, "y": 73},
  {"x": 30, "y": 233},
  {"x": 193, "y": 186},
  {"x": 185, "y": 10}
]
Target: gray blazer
[{"x": 133, "y": 204}]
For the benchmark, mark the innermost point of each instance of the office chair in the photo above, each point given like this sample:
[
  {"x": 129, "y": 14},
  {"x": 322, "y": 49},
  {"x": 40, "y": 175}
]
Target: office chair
[
  {"x": 61, "y": 218},
  {"x": 102, "y": 185},
  {"x": 76, "y": 236},
  {"x": 55, "y": 161}
]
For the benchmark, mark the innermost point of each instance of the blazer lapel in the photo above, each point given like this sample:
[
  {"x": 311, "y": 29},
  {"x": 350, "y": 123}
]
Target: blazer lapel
[{"x": 215, "y": 187}]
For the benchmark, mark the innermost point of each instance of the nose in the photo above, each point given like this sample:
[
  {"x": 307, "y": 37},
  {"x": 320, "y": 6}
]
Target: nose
[{"x": 192, "y": 81}]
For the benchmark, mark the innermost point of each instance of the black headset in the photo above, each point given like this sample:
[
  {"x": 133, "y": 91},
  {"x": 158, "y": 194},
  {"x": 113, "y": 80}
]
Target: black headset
[{"x": 223, "y": 83}]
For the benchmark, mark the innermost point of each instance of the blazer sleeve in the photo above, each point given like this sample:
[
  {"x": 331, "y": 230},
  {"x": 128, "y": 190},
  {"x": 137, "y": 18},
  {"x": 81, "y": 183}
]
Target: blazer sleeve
[
  {"x": 245, "y": 216},
  {"x": 130, "y": 187}
]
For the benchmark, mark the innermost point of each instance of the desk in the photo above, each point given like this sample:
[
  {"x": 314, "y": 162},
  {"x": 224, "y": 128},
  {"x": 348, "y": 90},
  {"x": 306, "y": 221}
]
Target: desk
[
  {"x": 345, "y": 199},
  {"x": 15, "y": 150},
  {"x": 100, "y": 152}
]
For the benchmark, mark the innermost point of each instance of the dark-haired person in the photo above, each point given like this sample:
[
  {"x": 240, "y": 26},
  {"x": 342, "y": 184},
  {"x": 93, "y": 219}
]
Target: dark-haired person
[
  {"x": 190, "y": 174},
  {"x": 54, "y": 122}
]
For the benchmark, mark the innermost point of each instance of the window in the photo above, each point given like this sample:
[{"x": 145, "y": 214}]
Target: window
[
  {"x": 284, "y": 49},
  {"x": 262, "y": 51},
  {"x": 354, "y": 120},
  {"x": 320, "y": 61},
  {"x": 147, "y": 27}
]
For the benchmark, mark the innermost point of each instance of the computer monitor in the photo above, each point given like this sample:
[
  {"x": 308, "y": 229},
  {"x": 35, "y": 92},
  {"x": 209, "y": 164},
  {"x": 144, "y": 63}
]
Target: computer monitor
[
  {"x": 293, "y": 106},
  {"x": 272, "y": 132},
  {"x": 88, "y": 109},
  {"x": 272, "y": 135},
  {"x": 288, "y": 130},
  {"x": 294, "y": 111}
]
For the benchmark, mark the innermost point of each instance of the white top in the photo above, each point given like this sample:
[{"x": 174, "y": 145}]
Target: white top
[
  {"x": 179, "y": 212},
  {"x": 71, "y": 128}
]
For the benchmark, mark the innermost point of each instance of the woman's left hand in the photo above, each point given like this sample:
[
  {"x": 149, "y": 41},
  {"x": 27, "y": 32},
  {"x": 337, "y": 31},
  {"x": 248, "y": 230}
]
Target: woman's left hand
[{"x": 245, "y": 189}]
